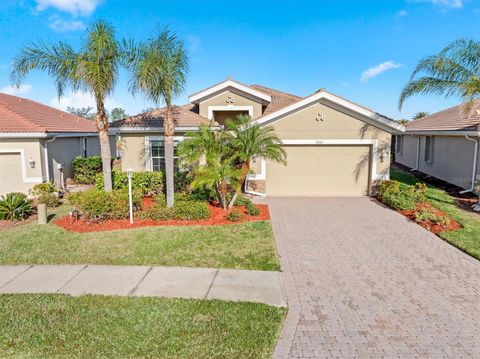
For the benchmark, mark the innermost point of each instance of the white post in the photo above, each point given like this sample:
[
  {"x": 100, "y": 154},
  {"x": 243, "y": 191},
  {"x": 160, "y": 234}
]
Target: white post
[{"x": 130, "y": 199}]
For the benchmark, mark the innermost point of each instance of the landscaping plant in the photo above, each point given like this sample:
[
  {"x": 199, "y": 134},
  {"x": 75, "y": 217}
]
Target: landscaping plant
[
  {"x": 235, "y": 215},
  {"x": 184, "y": 208},
  {"x": 85, "y": 170},
  {"x": 402, "y": 198},
  {"x": 15, "y": 206},
  {"x": 45, "y": 193},
  {"x": 146, "y": 182},
  {"x": 252, "y": 210}
]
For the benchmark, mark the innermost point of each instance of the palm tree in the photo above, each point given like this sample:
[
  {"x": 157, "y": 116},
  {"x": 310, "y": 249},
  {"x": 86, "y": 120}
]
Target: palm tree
[
  {"x": 454, "y": 71},
  {"x": 420, "y": 115},
  {"x": 93, "y": 69},
  {"x": 159, "y": 68},
  {"x": 251, "y": 141}
]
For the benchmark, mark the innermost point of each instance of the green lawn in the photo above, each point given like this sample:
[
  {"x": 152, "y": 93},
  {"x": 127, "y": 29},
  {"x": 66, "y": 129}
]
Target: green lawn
[
  {"x": 246, "y": 246},
  {"x": 60, "y": 326},
  {"x": 468, "y": 238}
]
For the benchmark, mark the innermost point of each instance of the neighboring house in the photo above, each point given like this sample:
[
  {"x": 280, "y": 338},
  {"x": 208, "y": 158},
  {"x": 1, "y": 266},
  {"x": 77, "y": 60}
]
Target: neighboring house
[
  {"x": 38, "y": 143},
  {"x": 334, "y": 147},
  {"x": 443, "y": 145}
]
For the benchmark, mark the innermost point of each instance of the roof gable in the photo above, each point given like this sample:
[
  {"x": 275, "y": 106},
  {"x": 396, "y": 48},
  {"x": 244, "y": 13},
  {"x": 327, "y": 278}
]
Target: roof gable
[{"x": 229, "y": 83}]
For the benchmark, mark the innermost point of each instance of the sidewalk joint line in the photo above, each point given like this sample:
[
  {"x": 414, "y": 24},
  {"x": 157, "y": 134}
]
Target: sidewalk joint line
[
  {"x": 134, "y": 289},
  {"x": 73, "y": 277},
  {"x": 18, "y": 275},
  {"x": 211, "y": 284}
]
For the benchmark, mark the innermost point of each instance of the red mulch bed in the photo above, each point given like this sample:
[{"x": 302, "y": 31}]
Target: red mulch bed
[
  {"x": 433, "y": 227},
  {"x": 217, "y": 218}
]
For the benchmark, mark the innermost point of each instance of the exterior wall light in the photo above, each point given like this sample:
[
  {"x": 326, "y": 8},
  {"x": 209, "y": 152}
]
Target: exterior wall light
[{"x": 31, "y": 162}]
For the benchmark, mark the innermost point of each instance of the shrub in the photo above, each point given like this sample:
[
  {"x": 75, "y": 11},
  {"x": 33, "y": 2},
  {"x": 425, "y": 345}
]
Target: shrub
[
  {"x": 184, "y": 209},
  {"x": 15, "y": 206},
  {"x": 45, "y": 193},
  {"x": 242, "y": 200},
  {"x": 403, "y": 198},
  {"x": 97, "y": 205},
  {"x": 182, "y": 182},
  {"x": 148, "y": 183},
  {"x": 427, "y": 215},
  {"x": 252, "y": 210},
  {"x": 235, "y": 215},
  {"x": 85, "y": 170}
]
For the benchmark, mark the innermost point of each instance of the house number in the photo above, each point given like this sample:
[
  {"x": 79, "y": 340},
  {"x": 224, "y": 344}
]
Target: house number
[{"x": 319, "y": 142}]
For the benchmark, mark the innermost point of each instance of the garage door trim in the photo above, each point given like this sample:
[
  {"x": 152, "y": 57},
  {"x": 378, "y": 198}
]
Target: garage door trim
[
  {"x": 25, "y": 178},
  {"x": 319, "y": 142}
]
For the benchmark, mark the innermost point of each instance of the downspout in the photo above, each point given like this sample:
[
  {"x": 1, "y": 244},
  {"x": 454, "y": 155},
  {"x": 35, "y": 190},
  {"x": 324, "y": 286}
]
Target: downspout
[
  {"x": 417, "y": 164},
  {"x": 45, "y": 151},
  {"x": 474, "y": 166}
]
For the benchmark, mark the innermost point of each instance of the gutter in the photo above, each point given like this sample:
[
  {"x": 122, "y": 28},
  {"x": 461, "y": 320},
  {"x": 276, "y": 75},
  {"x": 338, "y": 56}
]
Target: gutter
[
  {"x": 45, "y": 152},
  {"x": 474, "y": 165}
]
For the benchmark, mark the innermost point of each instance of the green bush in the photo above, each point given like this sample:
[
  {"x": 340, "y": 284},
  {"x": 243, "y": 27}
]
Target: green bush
[
  {"x": 403, "y": 198},
  {"x": 182, "y": 182},
  {"x": 252, "y": 210},
  {"x": 148, "y": 183},
  {"x": 45, "y": 193},
  {"x": 242, "y": 200},
  {"x": 85, "y": 170},
  {"x": 15, "y": 206},
  {"x": 235, "y": 215},
  {"x": 96, "y": 205},
  {"x": 427, "y": 215},
  {"x": 184, "y": 208}
]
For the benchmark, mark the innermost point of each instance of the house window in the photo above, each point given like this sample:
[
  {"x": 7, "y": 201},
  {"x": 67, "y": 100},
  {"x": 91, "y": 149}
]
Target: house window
[
  {"x": 157, "y": 152},
  {"x": 428, "y": 149},
  {"x": 399, "y": 144},
  {"x": 84, "y": 147}
]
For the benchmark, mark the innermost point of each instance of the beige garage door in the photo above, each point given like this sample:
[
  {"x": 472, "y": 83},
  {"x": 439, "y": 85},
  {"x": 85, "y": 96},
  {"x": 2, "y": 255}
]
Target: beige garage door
[
  {"x": 11, "y": 179},
  {"x": 321, "y": 171}
]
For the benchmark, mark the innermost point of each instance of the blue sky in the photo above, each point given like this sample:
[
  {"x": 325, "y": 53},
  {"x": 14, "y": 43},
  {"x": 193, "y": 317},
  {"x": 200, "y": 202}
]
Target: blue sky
[{"x": 362, "y": 50}]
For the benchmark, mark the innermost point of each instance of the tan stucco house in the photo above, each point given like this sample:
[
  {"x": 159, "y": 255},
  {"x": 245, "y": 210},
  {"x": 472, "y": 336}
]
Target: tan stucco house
[
  {"x": 334, "y": 146},
  {"x": 38, "y": 143},
  {"x": 444, "y": 145}
]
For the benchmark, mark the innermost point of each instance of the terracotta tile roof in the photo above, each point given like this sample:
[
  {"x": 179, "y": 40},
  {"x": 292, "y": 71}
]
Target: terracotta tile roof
[
  {"x": 279, "y": 99},
  {"x": 452, "y": 119},
  {"x": 21, "y": 115},
  {"x": 184, "y": 116}
]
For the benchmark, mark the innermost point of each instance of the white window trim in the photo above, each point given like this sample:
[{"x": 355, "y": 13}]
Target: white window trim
[
  {"x": 319, "y": 142},
  {"x": 23, "y": 166},
  {"x": 211, "y": 109},
  {"x": 430, "y": 150},
  {"x": 148, "y": 153}
]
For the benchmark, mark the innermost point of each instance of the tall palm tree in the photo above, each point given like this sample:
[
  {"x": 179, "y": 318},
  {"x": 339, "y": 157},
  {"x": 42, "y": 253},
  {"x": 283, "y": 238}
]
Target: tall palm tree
[
  {"x": 159, "y": 68},
  {"x": 420, "y": 115},
  {"x": 93, "y": 69},
  {"x": 251, "y": 141},
  {"x": 454, "y": 71}
]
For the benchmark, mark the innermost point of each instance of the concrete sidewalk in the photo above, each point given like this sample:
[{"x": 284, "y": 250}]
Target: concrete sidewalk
[{"x": 173, "y": 282}]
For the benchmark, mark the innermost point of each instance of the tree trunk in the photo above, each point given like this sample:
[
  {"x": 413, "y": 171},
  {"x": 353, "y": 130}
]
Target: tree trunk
[
  {"x": 234, "y": 198},
  {"x": 169, "y": 128},
  {"x": 223, "y": 193},
  {"x": 105, "y": 152},
  {"x": 245, "y": 169}
]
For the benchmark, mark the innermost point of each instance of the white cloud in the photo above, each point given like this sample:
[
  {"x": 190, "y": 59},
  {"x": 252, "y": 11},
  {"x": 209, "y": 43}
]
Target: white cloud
[
  {"x": 74, "y": 7},
  {"x": 13, "y": 90},
  {"x": 81, "y": 99},
  {"x": 64, "y": 26},
  {"x": 402, "y": 13},
  {"x": 444, "y": 4},
  {"x": 378, "y": 69}
]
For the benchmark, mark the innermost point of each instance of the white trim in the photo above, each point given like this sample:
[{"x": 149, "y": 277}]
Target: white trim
[
  {"x": 444, "y": 133},
  {"x": 375, "y": 117},
  {"x": 225, "y": 84},
  {"x": 23, "y": 135},
  {"x": 263, "y": 171},
  {"x": 211, "y": 109},
  {"x": 23, "y": 165},
  {"x": 117, "y": 130},
  {"x": 148, "y": 148}
]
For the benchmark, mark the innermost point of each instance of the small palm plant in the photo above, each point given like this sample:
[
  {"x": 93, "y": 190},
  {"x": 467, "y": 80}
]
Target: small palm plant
[
  {"x": 94, "y": 69},
  {"x": 15, "y": 206},
  {"x": 419, "y": 115}
]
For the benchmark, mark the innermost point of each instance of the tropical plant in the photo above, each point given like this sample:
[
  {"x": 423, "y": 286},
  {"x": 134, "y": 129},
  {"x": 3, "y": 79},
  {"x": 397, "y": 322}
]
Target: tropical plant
[
  {"x": 250, "y": 141},
  {"x": 454, "y": 71},
  {"x": 117, "y": 113},
  {"x": 45, "y": 193},
  {"x": 159, "y": 68},
  {"x": 84, "y": 112},
  {"x": 93, "y": 69},
  {"x": 420, "y": 115},
  {"x": 15, "y": 206}
]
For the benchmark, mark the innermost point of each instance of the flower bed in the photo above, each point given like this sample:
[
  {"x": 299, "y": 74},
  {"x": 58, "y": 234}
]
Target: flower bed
[
  {"x": 217, "y": 217},
  {"x": 436, "y": 223}
]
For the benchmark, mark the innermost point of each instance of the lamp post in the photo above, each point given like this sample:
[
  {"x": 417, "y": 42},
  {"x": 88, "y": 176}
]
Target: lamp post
[{"x": 130, "y": 199}]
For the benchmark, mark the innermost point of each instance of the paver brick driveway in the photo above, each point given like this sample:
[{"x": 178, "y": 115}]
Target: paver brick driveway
[{"x": 363, "y": 281}]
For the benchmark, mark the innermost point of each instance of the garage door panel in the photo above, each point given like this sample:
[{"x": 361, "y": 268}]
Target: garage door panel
[
  {"x": 320, "y": 171},
  {"x": 11, "y": 179}
]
